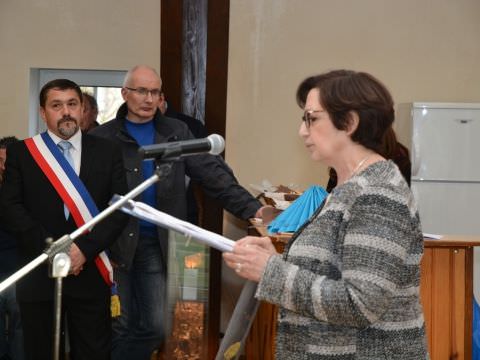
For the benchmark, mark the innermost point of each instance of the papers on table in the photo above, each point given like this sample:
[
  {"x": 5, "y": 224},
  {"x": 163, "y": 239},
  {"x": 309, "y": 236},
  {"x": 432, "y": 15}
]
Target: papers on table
[
  {"x": 148, "y": 213},
  {"x": 432, "y": 236}
]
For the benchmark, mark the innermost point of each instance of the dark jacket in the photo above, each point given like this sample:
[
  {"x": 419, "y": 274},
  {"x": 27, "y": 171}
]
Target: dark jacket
[
  {"x": 32, "y": 210},
  {"x": 211, "y": 172},
  {"x": 194, "y": 125},
  {"x": 198, "y": 130},
  {"x": 8, "y": 254}
]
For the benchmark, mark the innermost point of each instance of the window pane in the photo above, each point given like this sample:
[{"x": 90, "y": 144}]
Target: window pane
[{"x": 109, "y": 100}]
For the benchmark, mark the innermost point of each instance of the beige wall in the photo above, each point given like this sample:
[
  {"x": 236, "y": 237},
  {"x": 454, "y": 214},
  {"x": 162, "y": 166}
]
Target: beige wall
[
  {"x": 427, "y": 50},
  {"x": 423, "y": 50},
  {"x": 88, "y": 34}
]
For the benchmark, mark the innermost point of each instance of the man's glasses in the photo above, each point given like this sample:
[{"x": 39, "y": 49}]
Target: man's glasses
[
  {"x": 144, "y": 92},
  {"x": 308, "y": 118}
]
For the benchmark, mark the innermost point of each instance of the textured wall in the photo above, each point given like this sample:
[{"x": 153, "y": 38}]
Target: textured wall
[
  {"x": 89, "y": 34},
  {"x": 424, "y": 50}
]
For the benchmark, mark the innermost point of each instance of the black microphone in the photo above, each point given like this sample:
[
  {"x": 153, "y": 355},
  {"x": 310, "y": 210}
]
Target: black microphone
[{"x": 213, "y": 144}]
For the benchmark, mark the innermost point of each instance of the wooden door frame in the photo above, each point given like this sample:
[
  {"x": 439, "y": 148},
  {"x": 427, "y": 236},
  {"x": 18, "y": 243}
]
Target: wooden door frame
[{"x": 218, "y": 18}]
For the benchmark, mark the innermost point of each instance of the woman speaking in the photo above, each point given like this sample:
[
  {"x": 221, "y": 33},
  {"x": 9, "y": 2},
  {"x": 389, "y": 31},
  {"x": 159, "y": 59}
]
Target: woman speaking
[{"x": 348, "y": 282}]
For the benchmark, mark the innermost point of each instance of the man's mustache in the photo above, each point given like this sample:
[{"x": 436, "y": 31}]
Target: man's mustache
[{"x": 67, "y": 118}]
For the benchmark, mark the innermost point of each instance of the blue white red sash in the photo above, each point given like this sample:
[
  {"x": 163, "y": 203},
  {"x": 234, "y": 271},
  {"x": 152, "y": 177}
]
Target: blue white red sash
[{"x": 69, "y": 187}]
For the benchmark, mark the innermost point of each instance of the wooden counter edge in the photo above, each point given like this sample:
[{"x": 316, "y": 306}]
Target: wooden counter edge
[{"x": 445, "y": 241}]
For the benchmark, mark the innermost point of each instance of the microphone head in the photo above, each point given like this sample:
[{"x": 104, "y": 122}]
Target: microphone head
[{"x": 217, "y": 144}]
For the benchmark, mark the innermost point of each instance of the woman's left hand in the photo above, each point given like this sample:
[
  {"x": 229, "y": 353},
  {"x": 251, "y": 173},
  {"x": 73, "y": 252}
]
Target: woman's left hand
[{"x": 249, "y": 257}]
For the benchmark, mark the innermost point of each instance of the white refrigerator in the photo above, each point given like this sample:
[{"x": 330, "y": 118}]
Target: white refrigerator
[{"x": 445, "y": 152}]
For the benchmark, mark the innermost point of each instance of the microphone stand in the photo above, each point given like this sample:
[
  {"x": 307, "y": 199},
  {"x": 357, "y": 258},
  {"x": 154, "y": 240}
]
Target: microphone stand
[
  {"x": 58, "y": 270},
  {"x": 57, "y": 251}
]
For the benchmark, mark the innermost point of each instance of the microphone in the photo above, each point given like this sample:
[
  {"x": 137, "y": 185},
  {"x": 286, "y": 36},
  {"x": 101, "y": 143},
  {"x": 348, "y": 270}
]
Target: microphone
[{"x": 213, "y": 144}]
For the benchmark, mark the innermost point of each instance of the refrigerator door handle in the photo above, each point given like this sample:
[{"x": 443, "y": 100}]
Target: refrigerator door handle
[{"x": 463, "y": 121}]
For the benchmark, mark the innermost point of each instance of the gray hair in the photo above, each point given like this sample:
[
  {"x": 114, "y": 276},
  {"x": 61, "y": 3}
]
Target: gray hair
[{"x": 128, "y": 76}]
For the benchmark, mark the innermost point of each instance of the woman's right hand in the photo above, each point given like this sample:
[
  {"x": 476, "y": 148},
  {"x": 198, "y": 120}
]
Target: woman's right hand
[{"x": 250, "y": 256}]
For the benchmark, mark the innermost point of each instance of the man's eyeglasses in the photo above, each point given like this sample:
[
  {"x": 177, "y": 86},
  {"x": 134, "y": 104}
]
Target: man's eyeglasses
[
  {"x": 144, "y": 92},
  {"x": 308, "y": 118}
]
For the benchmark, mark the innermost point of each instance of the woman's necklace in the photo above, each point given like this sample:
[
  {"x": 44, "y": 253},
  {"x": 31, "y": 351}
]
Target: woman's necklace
[{"x": 359, "y": 165}]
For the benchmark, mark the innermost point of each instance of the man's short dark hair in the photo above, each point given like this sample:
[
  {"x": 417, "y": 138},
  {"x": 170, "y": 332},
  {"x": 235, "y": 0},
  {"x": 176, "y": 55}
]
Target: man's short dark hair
[
  {"x": 91, "y": 100},
  {"x": 6, "y": 141},
  {"x": 60, "y": 84}
]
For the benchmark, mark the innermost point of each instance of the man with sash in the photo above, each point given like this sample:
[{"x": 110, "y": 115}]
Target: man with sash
[{"x": 54, "y": 183}]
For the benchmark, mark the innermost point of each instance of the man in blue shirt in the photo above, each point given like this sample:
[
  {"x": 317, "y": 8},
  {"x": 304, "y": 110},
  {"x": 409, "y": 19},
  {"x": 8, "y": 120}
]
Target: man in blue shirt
[{"x": 140, "y": 253}]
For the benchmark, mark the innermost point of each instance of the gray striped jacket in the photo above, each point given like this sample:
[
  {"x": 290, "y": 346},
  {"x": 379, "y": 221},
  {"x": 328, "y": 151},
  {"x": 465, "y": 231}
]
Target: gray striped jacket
[{"x": 348, "y": 283}]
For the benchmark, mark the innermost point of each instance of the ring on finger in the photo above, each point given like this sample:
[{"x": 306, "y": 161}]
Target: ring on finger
[{"x": 238, "y": 267}]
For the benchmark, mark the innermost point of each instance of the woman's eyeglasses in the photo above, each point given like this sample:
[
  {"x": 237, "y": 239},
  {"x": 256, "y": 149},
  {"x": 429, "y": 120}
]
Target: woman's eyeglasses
[{"x": 308, "y": 118}]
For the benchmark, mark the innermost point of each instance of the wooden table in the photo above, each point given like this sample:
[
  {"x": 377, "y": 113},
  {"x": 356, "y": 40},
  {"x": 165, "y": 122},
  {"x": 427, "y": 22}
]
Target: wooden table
[{"x": 446, "y": 292}]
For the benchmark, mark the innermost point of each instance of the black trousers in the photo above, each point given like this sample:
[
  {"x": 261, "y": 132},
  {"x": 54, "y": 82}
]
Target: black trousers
[{"x": 88, "y": 322}]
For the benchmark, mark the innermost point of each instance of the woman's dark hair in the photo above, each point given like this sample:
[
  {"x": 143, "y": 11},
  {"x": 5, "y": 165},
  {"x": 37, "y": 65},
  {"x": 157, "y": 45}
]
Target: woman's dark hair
[
  {"x": 60, "y": 84},
  {"x": 343, "y": 92},
  {"x": 391, "y": 149}
]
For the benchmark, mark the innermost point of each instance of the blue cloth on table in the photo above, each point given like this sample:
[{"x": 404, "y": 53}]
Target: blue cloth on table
[{"x": 299, "y": 211}]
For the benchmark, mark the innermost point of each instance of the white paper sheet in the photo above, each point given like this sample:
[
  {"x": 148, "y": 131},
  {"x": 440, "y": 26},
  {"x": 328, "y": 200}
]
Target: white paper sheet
[{"x": 148, "y": 213}]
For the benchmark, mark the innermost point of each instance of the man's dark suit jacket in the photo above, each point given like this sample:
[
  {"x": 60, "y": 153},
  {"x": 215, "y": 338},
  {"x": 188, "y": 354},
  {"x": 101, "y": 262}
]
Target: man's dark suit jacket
[{"x": 32, "y": 211}]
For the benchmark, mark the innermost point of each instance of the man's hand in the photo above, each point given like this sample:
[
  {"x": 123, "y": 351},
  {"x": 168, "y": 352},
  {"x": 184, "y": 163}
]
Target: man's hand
[
  {"x": 267, "y": 213},
  {"x": 77, "y": 258}
]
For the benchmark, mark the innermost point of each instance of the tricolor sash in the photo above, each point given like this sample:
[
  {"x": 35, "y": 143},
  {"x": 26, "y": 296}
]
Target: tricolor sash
[{"x": 69, "y": 187}]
